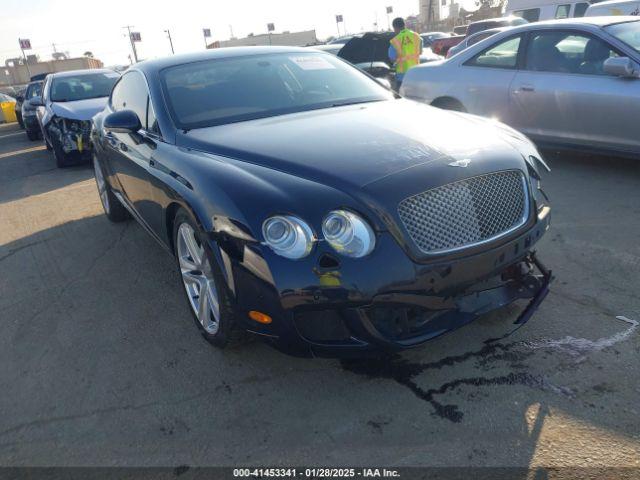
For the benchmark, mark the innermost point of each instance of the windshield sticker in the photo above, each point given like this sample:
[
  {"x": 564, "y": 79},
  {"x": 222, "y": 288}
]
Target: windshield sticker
[{"x": 312, "y": 62}]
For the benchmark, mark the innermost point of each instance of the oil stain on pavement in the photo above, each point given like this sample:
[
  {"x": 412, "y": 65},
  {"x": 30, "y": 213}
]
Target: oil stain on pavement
[{"x": 396, "y": 367}]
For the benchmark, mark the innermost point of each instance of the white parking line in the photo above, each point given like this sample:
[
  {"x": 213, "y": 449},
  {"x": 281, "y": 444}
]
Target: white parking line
[{"x": 11, "y": 134}]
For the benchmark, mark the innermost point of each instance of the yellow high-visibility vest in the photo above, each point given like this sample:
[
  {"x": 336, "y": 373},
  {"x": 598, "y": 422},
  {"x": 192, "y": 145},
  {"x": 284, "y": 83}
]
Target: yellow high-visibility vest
[{"x": 407, "y": 45}]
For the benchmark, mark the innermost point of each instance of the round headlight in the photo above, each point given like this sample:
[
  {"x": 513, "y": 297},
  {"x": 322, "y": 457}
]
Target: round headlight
[
  {"x": 288, "y": 236},
  {"x": 348, "y": 234}
]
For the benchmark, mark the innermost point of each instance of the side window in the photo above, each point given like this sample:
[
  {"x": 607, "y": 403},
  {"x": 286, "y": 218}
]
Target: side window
[
  {"x": 501, "y": 55},
  {"x": 130, "y": 93},
  {"x": 567, "y": 52},
  {"x": 563, "y": 11},
  {"x": 580, "y": 9},
  {"x": 152, "y": 122},
  {"x": 531, "y": 15}
]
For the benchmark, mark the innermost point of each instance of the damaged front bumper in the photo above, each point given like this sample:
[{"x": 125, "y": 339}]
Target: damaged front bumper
[
  {"x": 71, "y": 136},
  {"x": 401, "y": 320}
]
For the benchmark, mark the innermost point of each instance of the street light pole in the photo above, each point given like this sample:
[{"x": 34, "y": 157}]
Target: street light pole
[
  {"x": 170, "y": 41},
  {"x": 133, "y": 45}
]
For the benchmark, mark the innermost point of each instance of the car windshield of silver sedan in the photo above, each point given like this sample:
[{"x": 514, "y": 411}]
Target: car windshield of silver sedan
[
  {"x": 627, "y": 32},
  {"x": 82, "y": 87},
  {"x": 221, "y": 91}
]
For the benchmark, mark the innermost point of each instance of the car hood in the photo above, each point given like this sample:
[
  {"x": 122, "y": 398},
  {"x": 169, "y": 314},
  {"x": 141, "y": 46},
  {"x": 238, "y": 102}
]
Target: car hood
[
  {"x": 79, "y": 109},
  {"x": 361, "y": 144}
]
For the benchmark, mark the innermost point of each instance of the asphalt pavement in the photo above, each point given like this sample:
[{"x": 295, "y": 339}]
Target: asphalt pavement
[{"x": 101, "y": 364}]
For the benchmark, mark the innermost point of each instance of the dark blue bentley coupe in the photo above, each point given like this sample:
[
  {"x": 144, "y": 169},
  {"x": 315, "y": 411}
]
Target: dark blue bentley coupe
[{"x": 306, "y": 203}]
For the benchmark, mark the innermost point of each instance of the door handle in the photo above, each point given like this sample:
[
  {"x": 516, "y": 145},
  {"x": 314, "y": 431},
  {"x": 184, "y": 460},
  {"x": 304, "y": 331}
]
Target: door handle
[{"x": 527, "y": 88}]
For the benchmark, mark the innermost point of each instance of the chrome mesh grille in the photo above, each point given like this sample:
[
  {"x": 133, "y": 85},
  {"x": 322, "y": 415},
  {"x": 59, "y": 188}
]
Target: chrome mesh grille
[{"x": 466, "y": 212}]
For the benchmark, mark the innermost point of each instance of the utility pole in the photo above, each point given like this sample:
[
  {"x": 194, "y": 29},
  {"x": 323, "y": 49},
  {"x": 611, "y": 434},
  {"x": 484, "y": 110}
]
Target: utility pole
[
  {"x": 133, "y": 45},
  {"x": 170, "y": 42}
]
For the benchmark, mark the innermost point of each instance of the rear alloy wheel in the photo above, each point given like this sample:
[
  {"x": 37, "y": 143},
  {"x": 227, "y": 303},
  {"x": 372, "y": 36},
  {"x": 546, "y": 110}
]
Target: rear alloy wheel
[
  {"x": 203, "y": 284},
  {"x": 113, "y": 209}
]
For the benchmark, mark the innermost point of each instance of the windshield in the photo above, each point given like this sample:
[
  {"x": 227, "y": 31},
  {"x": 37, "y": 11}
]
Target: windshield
[
  {"x": 628, "y": 32},
  {"x": 33, "y": 90},
  {"x": 82, "y": 87},
  {"x": 216, "y": 92}
]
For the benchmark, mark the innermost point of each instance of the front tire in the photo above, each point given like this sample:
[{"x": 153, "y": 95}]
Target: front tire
[
  {"x": 203, "y": 283},
  {"x": 59, "y": 155},
  {"x": 31, "y": 135},
  {"x": 112, "y": 207}
]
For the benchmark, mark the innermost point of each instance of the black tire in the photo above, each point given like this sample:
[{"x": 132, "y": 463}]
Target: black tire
[
  {"x": 20, "y": 120},
  {"x": 449, "y": 104},
  {"x": 112, "y": 207},
  {"x": 46, "y": 142},
  {"x": 59, "y": 155},
  {"x": 228, "y": 334},
  {"x": 33, "y": 136}
]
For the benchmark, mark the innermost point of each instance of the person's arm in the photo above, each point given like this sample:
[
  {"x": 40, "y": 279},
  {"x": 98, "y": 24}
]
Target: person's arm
[{"x": 393, "y": 55}]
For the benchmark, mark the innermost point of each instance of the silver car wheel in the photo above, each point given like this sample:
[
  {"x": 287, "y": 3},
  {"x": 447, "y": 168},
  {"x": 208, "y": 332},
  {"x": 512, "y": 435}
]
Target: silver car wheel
[
  {"x": 102, "y": 186},
  {"x": 197, "y": 278}
]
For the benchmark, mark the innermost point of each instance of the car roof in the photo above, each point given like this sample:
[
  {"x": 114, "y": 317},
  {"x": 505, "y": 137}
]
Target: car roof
[
  {"x": 74, "y": 73},
  {"x": 153, "y": 66},
  {"x": 497, "y": 19},
  {"x": 607, "y": 3},
  {"x": 580, "y": 22}
]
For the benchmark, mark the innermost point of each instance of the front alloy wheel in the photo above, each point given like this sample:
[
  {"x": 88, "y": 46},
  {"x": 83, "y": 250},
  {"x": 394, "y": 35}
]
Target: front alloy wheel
[
  {"x": 204, "y": 284},
  {"x": 198, "y": 279}
]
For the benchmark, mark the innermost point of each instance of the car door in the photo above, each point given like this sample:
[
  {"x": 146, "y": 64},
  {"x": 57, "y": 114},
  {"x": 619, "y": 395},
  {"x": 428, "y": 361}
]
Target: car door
[
  {"x": 130, "y": 155},
  {"x": 562, "y": 94},
  {"x": 487, "y": 77}
]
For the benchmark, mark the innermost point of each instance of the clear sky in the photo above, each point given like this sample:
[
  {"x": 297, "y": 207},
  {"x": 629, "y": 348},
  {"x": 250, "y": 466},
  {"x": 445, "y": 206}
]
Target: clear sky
[{"x": 80, "y": 25}]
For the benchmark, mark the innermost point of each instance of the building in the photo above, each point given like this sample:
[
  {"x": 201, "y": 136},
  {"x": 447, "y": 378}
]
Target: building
[
  {"x": 14, "y": 73},
  {"x": 432, "y": 11},
  {"x": 288, "y": 39}
]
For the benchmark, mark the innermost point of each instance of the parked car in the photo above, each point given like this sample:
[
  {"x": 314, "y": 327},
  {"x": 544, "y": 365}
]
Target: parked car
[
  {"x": 341, "y": 40},
  {"x": 614, "y": 7},
  {"x": 28, "y": 110},
  {"x": 539, "y": 10},
  {"x": 473, "y": 39},
  {"x": 307, "y": 204},
  {"x": 511, "y": 21},
  {"x": 429, "y": 37},
  {"x": 7, "y": 108},
  {"x": 19, "y": 98},
  {"x": 564, "y": 83},
  {"x": 69, "y": 101},
  {"x": 441, "y": 46},
  {"x": 370, "y": 53},
  {"x": 332, "y": 48}
]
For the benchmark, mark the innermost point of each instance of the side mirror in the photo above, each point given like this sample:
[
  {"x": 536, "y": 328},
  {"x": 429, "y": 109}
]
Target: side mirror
[
  {"x": 622, "y": 67},
  {"x": 124, "y": 121},
  {"x": 384, "y": 82},
  {"x": 36, "y": 101}
]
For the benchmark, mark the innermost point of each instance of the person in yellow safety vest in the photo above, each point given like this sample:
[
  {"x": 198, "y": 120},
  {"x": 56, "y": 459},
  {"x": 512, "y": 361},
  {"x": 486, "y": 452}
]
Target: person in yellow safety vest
[{"x": 405, "y": 49}]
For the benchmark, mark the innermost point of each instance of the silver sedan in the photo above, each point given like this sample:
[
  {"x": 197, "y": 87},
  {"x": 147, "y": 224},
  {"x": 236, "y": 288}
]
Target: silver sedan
[{"x": 564, "y": 83}]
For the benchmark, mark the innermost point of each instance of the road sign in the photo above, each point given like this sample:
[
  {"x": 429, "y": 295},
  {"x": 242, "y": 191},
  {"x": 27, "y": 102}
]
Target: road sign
[
  {"x": 207, "y": 32},
  {"x": 389, "y": 9},
  {"x": 271, "y": 27},
  {"x": 135, "y": 37},
  {"x": 339, "y": 19},
  {"x": 25, "y": 43}
]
